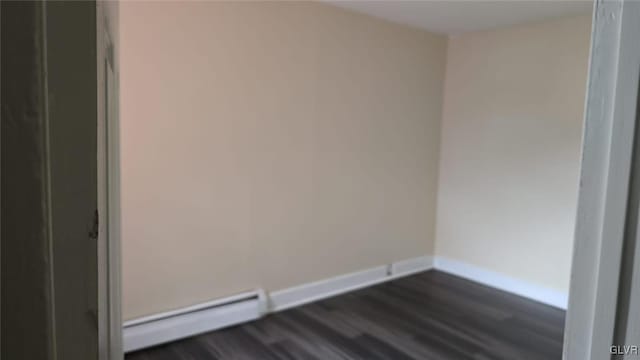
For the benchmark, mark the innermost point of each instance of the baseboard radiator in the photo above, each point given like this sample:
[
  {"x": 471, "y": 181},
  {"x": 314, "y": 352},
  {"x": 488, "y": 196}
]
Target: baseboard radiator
[
  {"x": 174, "y": 325},
  {"x": 178, "y": 324}
]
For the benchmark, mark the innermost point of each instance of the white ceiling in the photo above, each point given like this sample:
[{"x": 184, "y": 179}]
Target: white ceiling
[{"x": 458, "y": 16}]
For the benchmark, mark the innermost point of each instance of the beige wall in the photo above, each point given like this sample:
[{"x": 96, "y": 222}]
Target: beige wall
[
  {"x": 269, "y": 145},
  {"x": 510, "y": 155}
]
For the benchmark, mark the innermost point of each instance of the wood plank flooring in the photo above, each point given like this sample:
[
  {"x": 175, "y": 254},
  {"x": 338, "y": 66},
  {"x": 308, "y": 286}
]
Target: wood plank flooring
[{"x": 431, "y": 316}]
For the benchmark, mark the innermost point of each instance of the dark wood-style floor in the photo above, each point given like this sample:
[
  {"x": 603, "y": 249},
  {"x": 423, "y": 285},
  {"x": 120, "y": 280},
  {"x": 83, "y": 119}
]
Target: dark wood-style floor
[{"x": 431, "y": 316}]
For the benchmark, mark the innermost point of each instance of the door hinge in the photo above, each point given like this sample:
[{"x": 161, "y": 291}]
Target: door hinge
[{"x": 95, "y": 226}]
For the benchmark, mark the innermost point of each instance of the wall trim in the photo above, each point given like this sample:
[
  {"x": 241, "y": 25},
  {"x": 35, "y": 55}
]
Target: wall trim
[
  {"x": 192, "y": 320},
  {"x": 411, "y": 266},
  {"x": 177, "y": 324},
  {"x": 322, "y": 289},
  {"x": 506, "y": 283}
]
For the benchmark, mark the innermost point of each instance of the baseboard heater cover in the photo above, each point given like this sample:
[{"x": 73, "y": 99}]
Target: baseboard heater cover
[
  {"x": 306, "y": 293},
  {"x": 178, "y": 324},
  {"x": 174, "y": 325},
  {"x": 182, "y": 323}
]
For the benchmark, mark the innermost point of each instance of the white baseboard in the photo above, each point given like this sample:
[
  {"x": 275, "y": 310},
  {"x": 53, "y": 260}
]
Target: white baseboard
[
  {"x": 318, "y": 290},
  {"x": 411, "y": 266},
  {"x": 169, "y": 326},
  {"x": 506, "y": 283},
  {"x": 174, "y": 325}
]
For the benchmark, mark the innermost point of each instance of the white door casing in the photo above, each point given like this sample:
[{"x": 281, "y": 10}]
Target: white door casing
[
  {"x": 608, "y": 143},
  {"x": 110, "y": 318}
]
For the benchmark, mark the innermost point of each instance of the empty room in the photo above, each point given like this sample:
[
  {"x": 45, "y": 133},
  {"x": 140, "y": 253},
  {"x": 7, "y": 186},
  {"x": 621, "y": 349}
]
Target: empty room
[{"x": 349, "y": 180}]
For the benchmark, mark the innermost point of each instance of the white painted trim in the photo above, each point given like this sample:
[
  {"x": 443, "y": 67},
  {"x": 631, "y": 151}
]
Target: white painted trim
[
  {"x": 318, "y": 290},
  {"x": 108, "y": 184},
  {"x": 502, "y": 282},
  {"x": 249, "y": 295},
  {"x": 628, "y": 270},
  {"x": 192, "y": 320},
  {"x": 212, "y": 315},
  {"x": 306, "y": 293},
  {"x": 411, "y": 266},
  {"x": 610, "y": 119},
  {"x": 182, "y": 326},
  {"x": 177, "y": 324}
]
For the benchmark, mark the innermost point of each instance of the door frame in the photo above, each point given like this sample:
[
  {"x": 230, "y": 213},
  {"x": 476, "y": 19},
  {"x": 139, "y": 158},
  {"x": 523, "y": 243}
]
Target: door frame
[
  {"x": 109, "y": 267},
  {"x": 605, "y": 182}
]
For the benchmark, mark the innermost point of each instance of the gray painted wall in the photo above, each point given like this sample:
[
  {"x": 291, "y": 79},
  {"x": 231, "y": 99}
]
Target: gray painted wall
[
  {"x": 49, "y": 181},
  {"x": 26, "y": 326},
  {"x": 72, "y": 84}
]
